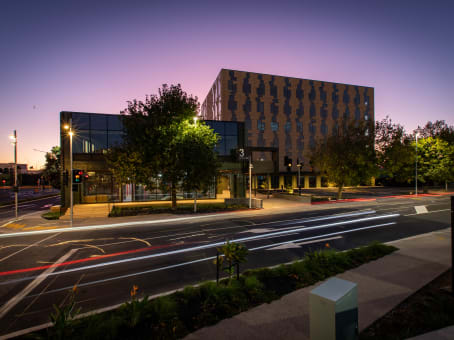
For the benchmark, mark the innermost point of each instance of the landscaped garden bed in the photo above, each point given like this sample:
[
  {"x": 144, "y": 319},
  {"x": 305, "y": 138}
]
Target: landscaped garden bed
[
  {"x": 182, "y": 208},
  {"x": 429, "y": 309},
  {"x": 180, "y": 313}
]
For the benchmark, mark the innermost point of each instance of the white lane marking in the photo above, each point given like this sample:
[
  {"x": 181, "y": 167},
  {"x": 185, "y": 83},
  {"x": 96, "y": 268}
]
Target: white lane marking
[
  {"x": 179, "y": 238},
  {"x": 331, "y": 234},
  {"x": 31, "y": 245},
  {"x": 209, "y": 258},
  {"x": 256, "y": 231},
  {"x": 421, "y": 209},
  {"x": 430, "y": 212},
  {"x": 216, "y": 244},
  {"x": 137, "y": 223},
  {"x": 32, "y": 285},
  {"x": 298, "y": 245}
]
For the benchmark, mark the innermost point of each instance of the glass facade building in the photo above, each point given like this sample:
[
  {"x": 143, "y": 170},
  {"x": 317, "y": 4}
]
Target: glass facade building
[{"x": 95, "y": 133}]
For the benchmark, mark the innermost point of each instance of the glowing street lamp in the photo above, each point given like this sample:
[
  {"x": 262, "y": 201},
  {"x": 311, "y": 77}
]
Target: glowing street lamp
[
  {"x": 70, "y": 133},
  {"x": 13, "y": 138}
]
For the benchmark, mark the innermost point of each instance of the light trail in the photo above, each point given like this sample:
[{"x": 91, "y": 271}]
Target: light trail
[
  {"x": 179, "y": 251},
  {"x": 321, "y": 237}
]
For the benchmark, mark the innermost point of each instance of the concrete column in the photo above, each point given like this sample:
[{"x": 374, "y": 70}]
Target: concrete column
[
  {"x": 318, "y": 181},
  {"x": 268, "y": 180},
  {"x": 294, "y": 182},
  {"x": 306, "y": 182},
  {"x": 281, "y": 182}
]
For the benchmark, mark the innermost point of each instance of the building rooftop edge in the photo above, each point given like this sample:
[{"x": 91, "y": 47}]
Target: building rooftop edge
[{"x": 276, "y": 75}]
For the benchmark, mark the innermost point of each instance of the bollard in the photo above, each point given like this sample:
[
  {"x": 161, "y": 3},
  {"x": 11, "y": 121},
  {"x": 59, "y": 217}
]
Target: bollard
[{"x": 333, "y": 310}]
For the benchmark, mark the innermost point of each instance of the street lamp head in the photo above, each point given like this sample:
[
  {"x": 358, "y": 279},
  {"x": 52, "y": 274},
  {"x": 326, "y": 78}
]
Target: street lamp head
[
  {"x": 66, "y": 127},
  {"x": 71, "y": 133},
  {"x": 196, "y": 119}
]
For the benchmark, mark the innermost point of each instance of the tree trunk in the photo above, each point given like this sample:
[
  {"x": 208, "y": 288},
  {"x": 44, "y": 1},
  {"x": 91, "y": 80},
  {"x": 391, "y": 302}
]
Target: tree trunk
[
  {"x": 195, "y": 201},
  {"x": 121, "y": 192},
  {"x": 173, "y": 193},
  {"x": 446, "y": 185},
  {"x": 339, "y": 191}
]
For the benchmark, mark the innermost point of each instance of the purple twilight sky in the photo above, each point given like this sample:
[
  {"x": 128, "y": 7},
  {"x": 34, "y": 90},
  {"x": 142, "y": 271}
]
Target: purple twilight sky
[{"x": 93, "y": 56}]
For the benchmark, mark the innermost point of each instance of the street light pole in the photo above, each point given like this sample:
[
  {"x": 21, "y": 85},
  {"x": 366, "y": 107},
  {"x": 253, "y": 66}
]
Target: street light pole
[
  {"x": 70, "y": 133},
  {"x": 14, "y": 138},
  {"x": 416, "y": 165},
  {"x": 250, "y": 183}
]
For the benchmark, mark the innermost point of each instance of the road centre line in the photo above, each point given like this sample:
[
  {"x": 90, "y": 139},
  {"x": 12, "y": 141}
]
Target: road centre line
[
  {"x": 185, "y": 250},
  {"x": 32, "y": 285},
  {"x": 314, "y": 238},
  {"x": 31, "y": 245}
]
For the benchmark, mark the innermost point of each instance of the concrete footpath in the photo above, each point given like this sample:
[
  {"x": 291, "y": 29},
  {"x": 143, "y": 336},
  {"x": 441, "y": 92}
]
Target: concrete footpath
[{"x": 382, "y": 285}]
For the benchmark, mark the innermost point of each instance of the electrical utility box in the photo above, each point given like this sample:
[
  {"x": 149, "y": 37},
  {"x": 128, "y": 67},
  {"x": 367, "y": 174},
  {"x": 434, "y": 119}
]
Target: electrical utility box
[{"x": 333, "y": 308}]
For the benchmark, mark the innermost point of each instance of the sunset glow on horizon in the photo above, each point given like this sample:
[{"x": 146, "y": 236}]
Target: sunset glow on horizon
[{"x": 90, "y": 56}]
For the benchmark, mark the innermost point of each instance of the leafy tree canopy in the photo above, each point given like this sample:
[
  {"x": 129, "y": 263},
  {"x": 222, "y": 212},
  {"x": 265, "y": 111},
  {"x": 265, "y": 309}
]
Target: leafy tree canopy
[
  {"x": 395, "y": 151},
  {"x": 435, "y": 160},
  {"x": 348, "y": 156},
  {"x": 52, "y": 167},
  {"x": 158, "y": 133}
]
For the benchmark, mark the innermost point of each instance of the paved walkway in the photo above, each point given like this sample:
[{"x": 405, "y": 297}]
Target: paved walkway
[{"x": 382, "y": 285}]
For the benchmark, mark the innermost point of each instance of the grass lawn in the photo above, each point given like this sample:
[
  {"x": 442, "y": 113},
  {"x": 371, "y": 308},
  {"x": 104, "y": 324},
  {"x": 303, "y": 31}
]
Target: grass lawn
[
  {"x": 51, "y": 215},
  {"x": 429, "y": 309}
]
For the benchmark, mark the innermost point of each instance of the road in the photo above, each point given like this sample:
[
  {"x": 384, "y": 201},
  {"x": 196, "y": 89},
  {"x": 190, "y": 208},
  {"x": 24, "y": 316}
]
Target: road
[
  {"x": 38, "y": 269},
  {"x": 40, "y": 204}
]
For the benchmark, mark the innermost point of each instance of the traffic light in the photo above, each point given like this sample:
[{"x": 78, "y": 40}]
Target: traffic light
[
  {"x": 77, "y": 176},
  {"x": 288, "y": 163}
]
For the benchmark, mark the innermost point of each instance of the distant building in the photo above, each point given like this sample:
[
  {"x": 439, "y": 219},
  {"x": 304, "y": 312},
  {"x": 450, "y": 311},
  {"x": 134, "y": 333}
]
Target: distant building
[
  {"x": 284, "y": 117},
  {"x": 7, "y": 168}
]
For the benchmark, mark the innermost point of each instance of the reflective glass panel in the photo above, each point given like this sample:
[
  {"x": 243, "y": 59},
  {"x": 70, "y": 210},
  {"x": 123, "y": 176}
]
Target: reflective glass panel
[
  {"x": 81, "y": 121},
  {"x": 231, "y": 129},
  {"x": 81, "y": 142},
  {"x": 98, "y": 122},
  {"x": 231, "y": 143},
  {"x": 114, "y": 122},
  {"x": 115, "y": 138},
  {"x": 98, "y": 140}
]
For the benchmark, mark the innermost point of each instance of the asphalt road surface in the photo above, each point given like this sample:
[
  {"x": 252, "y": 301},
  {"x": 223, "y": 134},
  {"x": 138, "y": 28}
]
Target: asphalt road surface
[
  {"x": 7, "y": 212},
  {"x": 38, "y": 269}
]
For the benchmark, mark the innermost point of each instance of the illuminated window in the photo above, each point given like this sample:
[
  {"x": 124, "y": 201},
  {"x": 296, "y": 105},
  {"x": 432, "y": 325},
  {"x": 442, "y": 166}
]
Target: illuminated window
[{"x": 274, "y": 126}]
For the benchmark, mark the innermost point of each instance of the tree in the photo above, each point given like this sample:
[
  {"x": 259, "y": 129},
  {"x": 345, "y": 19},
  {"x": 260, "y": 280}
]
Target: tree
[
  {"x": 195, "y": 146},
  {"x": 53, "y": 167},
  {"x": 395, "y": 152},
  {"x": 154, "y": 129},
  {"x": 232, "y": 253},
  {"x": 435, "y": 160},
  {"x": 348, "y": 156},
  {"x": 439, "y": 129},
  {"x": 126, "y": 166}
]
